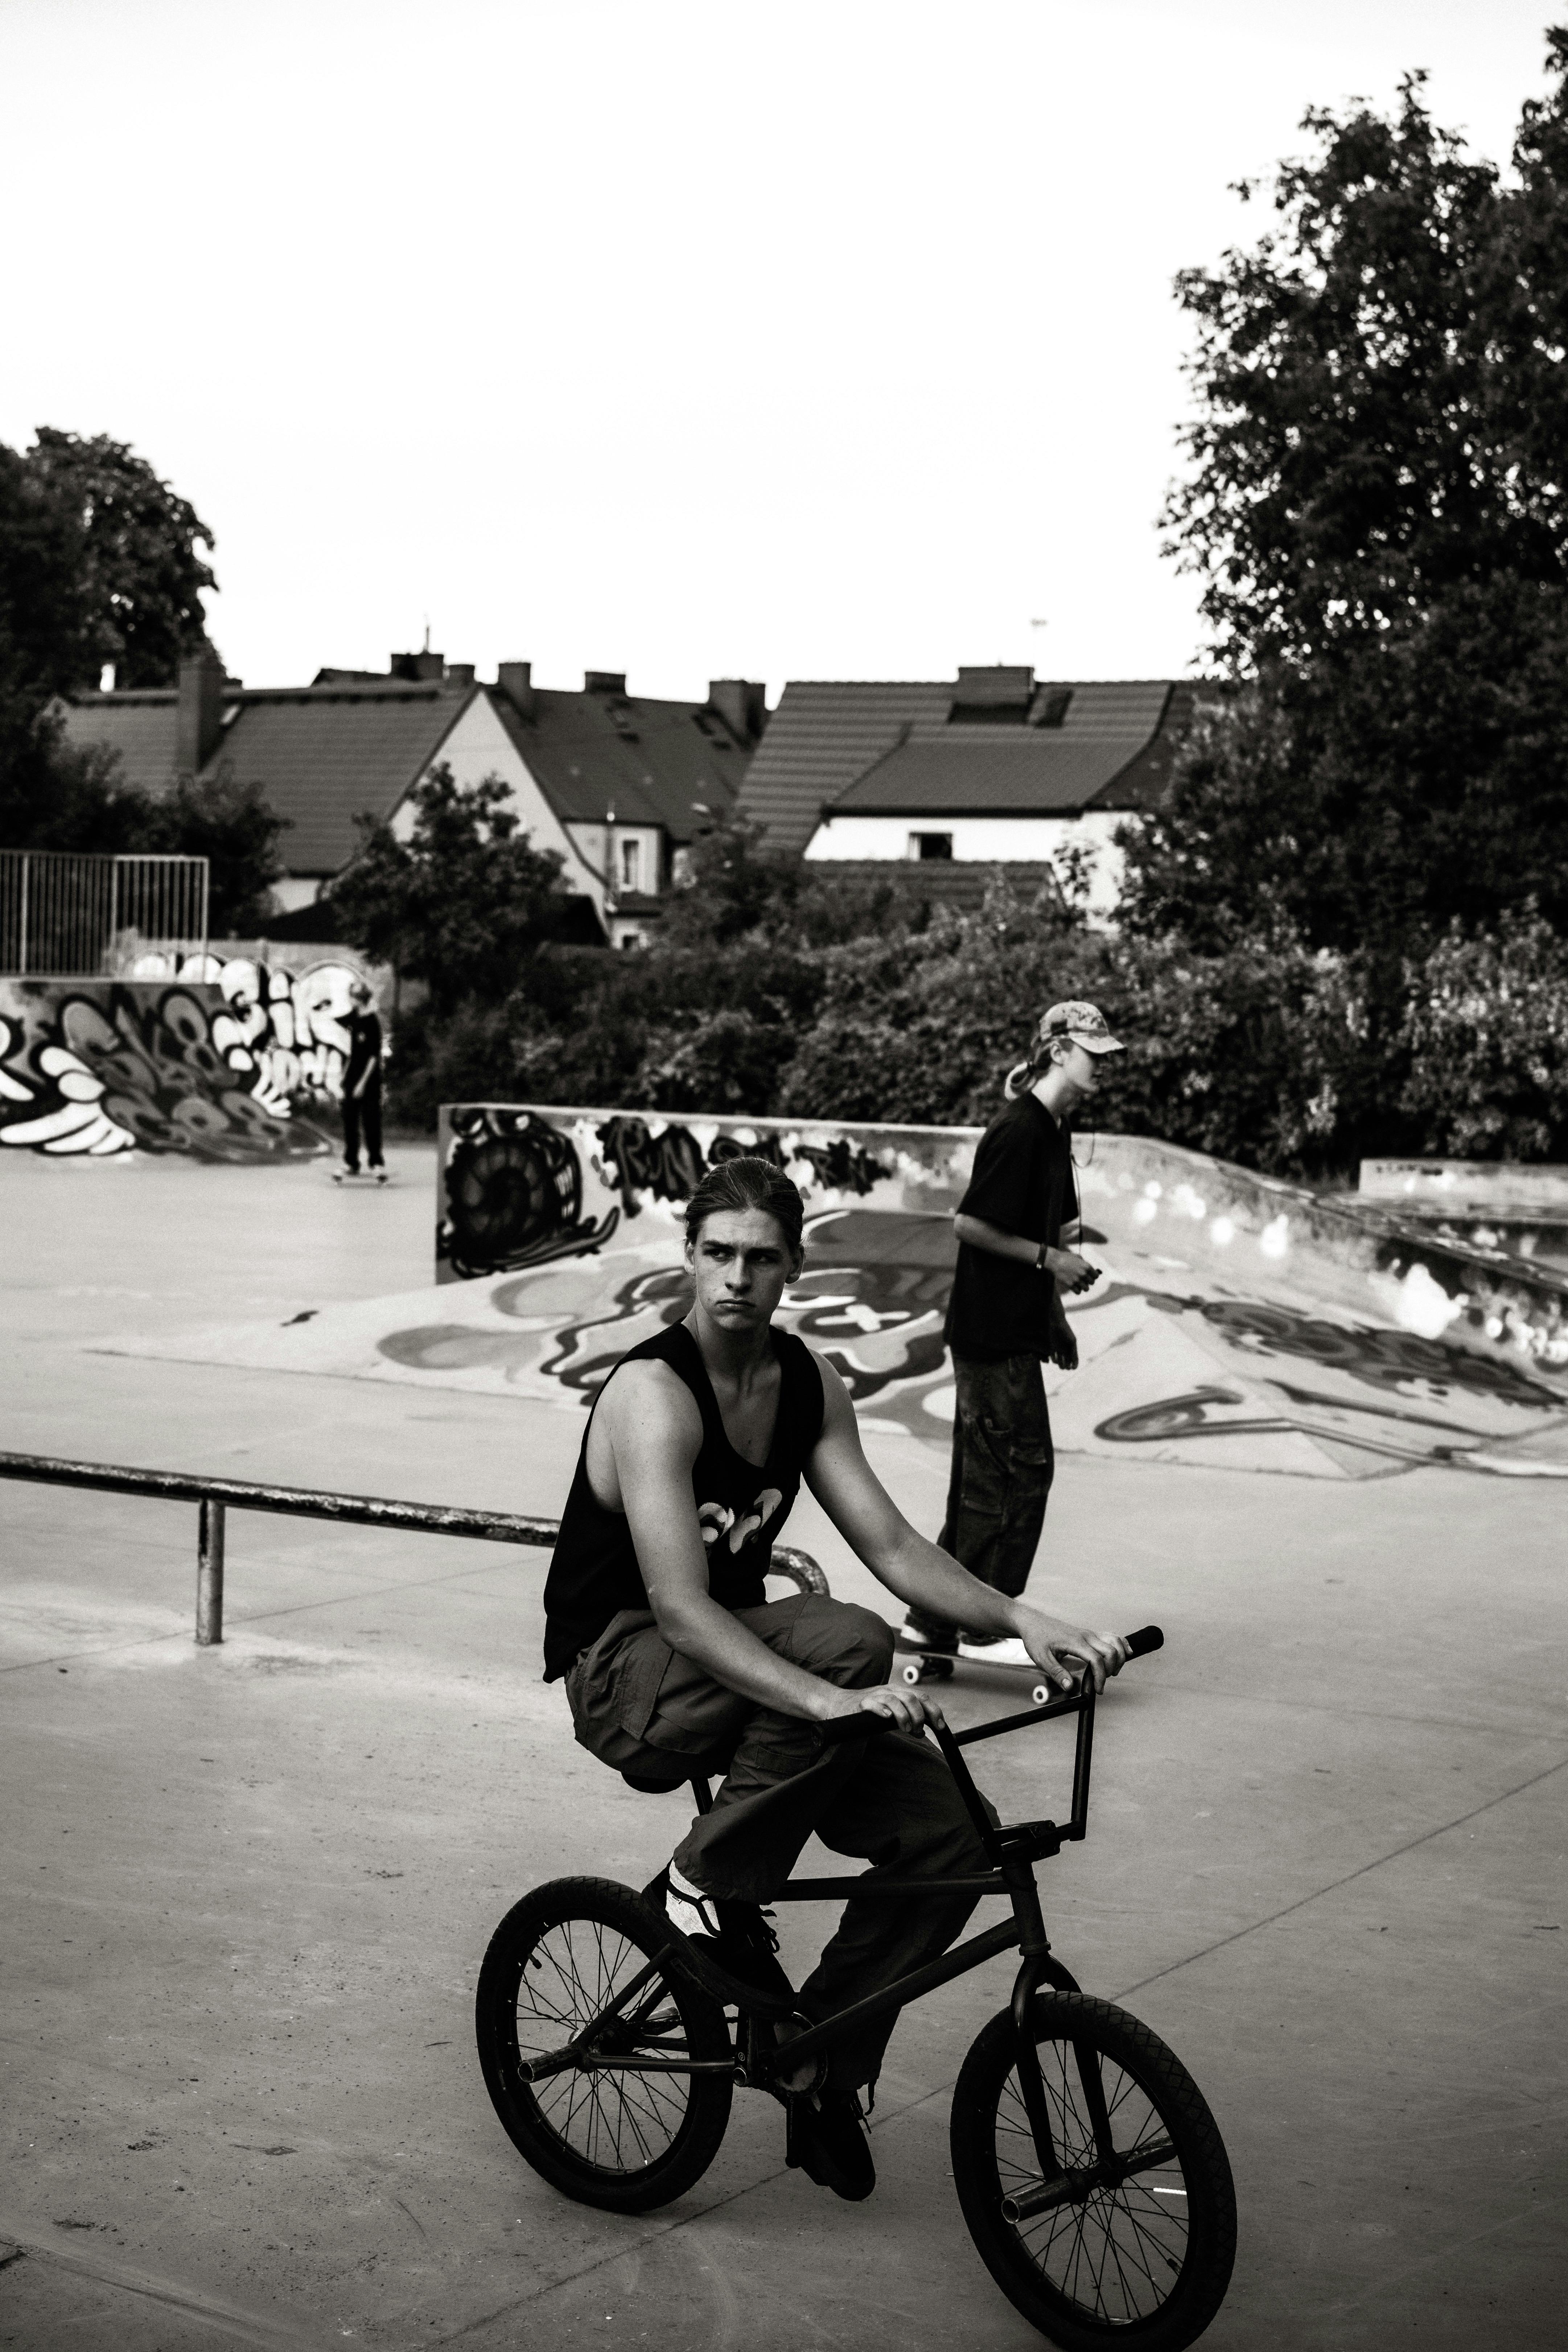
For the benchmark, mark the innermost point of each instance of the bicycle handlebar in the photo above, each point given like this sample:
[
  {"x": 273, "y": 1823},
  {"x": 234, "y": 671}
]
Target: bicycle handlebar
[{"x": 865, "y": 1723}]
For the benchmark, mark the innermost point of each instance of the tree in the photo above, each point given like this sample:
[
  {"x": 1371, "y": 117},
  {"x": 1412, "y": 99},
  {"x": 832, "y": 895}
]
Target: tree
[
  {"x": 44, "y": 631},
  {"x": 138, "y": 576},
  {"x": 737, "y": 887},
  {"x": 228, "y": 823},
  {"x": 1378, "y": 505},
  {"x": 98, "y": 564},
  {"x": 461, "y": 903}
]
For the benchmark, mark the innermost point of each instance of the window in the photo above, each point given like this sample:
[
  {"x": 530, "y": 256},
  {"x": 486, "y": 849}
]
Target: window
[
  {"x": 930, "y": 845},
  {"x": 631, "y": 866}
]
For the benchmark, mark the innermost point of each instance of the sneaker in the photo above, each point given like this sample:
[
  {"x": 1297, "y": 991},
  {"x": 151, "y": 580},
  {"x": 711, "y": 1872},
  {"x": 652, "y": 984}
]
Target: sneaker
[
  {"x": 730, "y": 1948},
  {"x": 917, "y": 1632},
  {"x": 995, "y": 1650},
  {"x": 826, "y": 2139}
]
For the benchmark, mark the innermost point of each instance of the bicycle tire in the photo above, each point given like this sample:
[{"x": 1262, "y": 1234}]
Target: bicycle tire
[
  {"x": 1145, "y": 2260},
  {"x": 627, "y": 2142}
]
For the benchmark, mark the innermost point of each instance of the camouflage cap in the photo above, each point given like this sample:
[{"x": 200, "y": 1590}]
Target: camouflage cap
[{"x": 1086, "y": 1025}]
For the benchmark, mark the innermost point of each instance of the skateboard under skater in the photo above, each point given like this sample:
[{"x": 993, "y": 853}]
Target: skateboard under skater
[{"x": 940, "y": 1665}]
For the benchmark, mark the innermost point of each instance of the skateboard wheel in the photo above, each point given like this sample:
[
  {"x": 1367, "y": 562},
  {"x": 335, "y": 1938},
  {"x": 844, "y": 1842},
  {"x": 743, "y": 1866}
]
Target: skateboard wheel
[
  {"x": 1040, "y": 1694},
  {"x": 912, "y": 1674}
]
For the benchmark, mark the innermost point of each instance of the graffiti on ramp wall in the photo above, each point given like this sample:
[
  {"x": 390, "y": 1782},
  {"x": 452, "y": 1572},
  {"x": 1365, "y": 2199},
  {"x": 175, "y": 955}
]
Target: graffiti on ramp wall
[
  {"x": 1237, "y": 1322},
  {"x": 518, "y": 1187},
  {"x": 234, "y": 1066},
  {"x": 1218, "y": 1335}
]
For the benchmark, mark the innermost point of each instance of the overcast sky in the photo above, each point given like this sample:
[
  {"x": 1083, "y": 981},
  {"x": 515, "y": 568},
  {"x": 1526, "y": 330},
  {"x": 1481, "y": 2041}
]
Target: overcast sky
[{"x": 793, "y": 341}]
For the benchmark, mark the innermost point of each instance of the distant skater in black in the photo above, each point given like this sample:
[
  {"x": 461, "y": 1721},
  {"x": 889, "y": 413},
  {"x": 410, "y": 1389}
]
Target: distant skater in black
[{"x": 362, "y": 1085}]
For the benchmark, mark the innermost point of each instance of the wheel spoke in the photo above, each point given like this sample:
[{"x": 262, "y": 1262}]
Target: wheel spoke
[
  {"x": 615, "y": 2121},
  {"x": 1113, "y": 2257}
]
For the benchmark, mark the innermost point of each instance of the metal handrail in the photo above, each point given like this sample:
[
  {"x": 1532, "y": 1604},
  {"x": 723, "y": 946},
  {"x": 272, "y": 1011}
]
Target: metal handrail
[{"x": 215, "y": 1496}]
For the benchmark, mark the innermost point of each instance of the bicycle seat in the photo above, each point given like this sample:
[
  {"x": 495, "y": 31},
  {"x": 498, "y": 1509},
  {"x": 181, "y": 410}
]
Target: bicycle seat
[{"x": 682, "y": 1770}]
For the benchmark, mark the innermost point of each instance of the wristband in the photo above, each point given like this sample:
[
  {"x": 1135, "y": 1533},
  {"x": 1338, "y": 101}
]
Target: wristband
[{"x": 1041, "y": 1267}]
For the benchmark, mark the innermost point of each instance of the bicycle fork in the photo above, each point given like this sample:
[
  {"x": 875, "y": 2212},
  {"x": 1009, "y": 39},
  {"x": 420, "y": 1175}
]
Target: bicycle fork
[{"x": 1056, "y": 2184}]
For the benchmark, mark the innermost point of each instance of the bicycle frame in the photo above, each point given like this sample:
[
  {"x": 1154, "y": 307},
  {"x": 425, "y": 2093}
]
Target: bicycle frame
[{"x": 1013, "y": 1852}]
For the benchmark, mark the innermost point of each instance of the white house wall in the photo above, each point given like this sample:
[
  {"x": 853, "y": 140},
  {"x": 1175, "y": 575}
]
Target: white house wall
[
  {"x": 478, "y": 746},
  {"x": 601, "y": 847},
  {"x": 1006, "y": 840}
]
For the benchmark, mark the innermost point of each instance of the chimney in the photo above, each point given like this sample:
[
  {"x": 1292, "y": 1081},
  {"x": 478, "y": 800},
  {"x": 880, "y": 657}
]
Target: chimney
[
  {"x": 459, "y": 673},
  {"x": 741, "y": 704},
  {"x": 417, "y": 668},
  {"x": 604, "y": 681},
  {"x": 198, "y": 717},
  {"x": 515, "y": 680}
]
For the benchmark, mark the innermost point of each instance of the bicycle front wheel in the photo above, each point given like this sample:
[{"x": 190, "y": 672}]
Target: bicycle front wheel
[
  {"x": 1140, "y": 2248},
  {"x": 605, "y": 2132}
]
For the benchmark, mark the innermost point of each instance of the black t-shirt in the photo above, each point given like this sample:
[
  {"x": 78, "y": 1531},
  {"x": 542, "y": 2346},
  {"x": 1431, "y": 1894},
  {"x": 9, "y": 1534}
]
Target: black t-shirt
[
  {"x": 1023, "y": 1182},
  {"x": 740, "y": 1506},
  {"x": 364, "y": 1048}
]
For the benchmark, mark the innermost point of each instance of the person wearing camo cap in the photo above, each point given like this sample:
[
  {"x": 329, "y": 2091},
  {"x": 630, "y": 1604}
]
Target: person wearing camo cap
[{"x": 1016, "y": 1225}]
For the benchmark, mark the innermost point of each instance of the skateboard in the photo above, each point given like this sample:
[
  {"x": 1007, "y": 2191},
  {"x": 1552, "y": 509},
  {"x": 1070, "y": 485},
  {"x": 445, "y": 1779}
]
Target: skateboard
[
  {"x": 362, "y": 1177},
  {"x": 939, "y": 1666}
]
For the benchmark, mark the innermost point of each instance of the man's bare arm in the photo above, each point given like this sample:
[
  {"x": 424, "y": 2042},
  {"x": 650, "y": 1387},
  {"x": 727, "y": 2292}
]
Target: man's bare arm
[
  {"x": 1073, "y": 1272},
  {"x": 923, "y": 1576},
  {"x": 655, "y": 1434}
]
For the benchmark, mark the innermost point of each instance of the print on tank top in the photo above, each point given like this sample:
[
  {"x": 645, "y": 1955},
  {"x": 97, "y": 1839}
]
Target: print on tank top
[
  {"x": 594, "y": 1571},
  {"x": 717, "y": 1520}
]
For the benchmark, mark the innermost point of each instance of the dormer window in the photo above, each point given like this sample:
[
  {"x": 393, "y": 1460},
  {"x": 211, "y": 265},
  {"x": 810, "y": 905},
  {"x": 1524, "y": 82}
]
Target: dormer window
[
  {"x": 997, "y": 697},
  {"x": 1049, "y": 707}
]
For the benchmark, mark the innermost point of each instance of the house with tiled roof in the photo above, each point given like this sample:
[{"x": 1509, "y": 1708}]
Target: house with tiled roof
[
  {"x": 997, "y": 766},
  {"x": 618, "y": 784}
]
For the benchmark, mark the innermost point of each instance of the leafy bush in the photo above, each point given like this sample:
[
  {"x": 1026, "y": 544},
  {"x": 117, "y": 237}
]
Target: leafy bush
[
  {"x": 1252, "y": 1046},
  {"x": 920, "y": 1028},
  {"x": 1486, "y": 1036}
]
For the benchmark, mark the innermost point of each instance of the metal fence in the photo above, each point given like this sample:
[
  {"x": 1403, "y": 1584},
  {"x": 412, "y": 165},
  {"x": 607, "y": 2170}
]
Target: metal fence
[
  {"x": 69, "y": 916},
  {"x": 214, "y": 1497}
]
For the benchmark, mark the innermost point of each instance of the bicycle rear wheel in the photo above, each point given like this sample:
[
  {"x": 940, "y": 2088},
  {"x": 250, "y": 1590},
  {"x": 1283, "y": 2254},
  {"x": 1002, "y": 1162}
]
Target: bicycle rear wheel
[
  {"x": 625, "y": 2140},
  {"x": 1141, "y": 2252}
]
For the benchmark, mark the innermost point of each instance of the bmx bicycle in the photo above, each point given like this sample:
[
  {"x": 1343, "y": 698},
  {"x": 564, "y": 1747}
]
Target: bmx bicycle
[{"x": 1091, "y": 2173}]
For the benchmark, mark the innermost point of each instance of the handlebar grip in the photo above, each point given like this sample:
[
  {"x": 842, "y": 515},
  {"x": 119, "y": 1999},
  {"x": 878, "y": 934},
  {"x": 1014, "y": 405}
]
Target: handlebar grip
[
  {"x": 866, "y": 1722},
  {"x": 1147, "y": 1638}
]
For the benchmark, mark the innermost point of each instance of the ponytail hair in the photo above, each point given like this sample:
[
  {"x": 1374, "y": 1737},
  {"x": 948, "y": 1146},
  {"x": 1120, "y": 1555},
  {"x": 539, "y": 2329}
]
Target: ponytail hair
[
  {"x": 1040, "y": 1056},
  {"x": 747, "y": 1182}
]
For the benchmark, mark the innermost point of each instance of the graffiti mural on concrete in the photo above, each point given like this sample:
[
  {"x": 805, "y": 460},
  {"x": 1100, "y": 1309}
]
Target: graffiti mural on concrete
[
  {"x": 1237, "y": 1308},
  {"x": 518, "y": 1186},
  {"x": 1237, "y": 1321},
  {"x": 288, "y": 1028},
  {"x": 230, "y": 1068},
  {"x": 513, "y": 1188}
]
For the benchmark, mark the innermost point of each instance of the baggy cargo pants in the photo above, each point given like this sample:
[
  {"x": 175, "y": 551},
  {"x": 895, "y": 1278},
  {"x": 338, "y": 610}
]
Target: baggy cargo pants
[{"x": 641, "y": 1708}]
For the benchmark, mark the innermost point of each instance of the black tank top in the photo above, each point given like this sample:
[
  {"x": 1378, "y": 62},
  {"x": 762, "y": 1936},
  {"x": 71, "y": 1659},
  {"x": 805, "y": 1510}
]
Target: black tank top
[{"x": 593, "y": 1571}]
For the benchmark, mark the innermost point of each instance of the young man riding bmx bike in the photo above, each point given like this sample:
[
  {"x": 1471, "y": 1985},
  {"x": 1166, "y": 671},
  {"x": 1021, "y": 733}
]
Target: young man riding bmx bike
[{"x": 675, "y": 1661}]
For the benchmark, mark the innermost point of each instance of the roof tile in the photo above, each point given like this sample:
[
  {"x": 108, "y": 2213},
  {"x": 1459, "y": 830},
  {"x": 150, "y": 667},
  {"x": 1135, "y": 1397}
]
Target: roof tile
[{"x": 862, "y": 747}]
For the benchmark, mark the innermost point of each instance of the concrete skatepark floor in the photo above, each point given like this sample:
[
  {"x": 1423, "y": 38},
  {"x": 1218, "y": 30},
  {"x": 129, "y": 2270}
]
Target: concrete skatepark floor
[{"x": 249, "y": 1889}]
